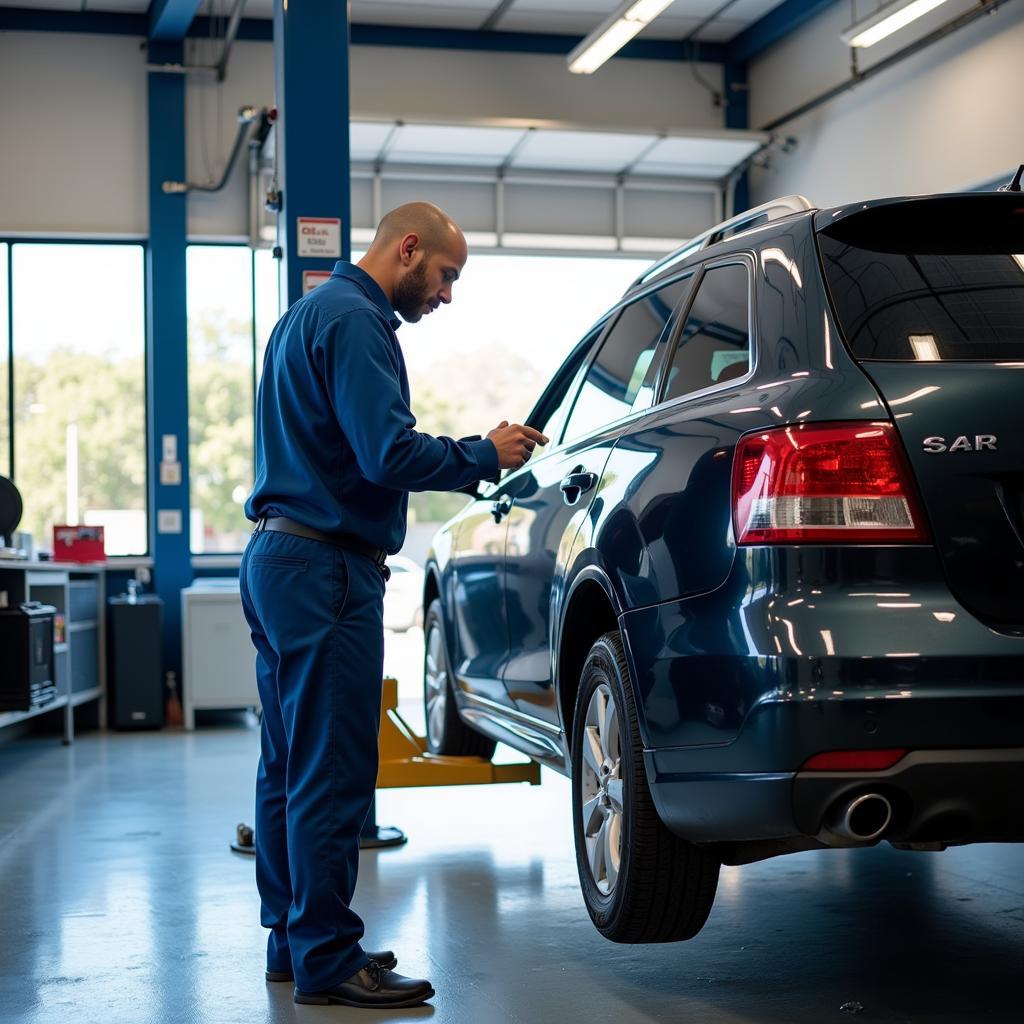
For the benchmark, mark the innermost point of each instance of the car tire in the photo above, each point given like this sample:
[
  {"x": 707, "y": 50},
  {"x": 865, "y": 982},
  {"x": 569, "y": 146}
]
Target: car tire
[
  {"x": 640, "y": 882},
  {"x": 446, "y": 732}
]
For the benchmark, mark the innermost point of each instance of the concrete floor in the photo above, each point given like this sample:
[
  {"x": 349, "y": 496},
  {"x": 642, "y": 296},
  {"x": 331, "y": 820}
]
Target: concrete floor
[{"x": 122, "y": 903}]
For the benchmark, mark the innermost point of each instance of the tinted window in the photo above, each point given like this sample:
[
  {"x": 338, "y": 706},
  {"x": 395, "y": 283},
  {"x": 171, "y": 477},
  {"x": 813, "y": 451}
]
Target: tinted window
[
  {"x": 626, "y": 361},
  {"x": 930, "y": 280},
  {"x": 714, "y": 345}
]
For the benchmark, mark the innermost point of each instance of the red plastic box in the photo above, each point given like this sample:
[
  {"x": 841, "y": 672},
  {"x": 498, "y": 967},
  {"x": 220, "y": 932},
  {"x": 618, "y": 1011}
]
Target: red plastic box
[{"x": 78, "y": 544}]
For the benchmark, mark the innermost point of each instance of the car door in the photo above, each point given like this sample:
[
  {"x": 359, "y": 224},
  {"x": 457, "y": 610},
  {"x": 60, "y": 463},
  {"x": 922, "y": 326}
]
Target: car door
[
  {"x": 550, "y": 497},
  {"x": 478, "y": 549}
]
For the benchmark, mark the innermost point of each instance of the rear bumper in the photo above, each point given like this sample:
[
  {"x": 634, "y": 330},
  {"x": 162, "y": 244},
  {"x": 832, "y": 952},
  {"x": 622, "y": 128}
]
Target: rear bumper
[
  {"x": 937, "y": 796},
  {"x": 947, "y": 796},
  {"x": 804, "y": 651}
]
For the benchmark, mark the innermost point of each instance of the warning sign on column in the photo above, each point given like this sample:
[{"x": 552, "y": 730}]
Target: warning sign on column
[{"x": 319, "y": 236}]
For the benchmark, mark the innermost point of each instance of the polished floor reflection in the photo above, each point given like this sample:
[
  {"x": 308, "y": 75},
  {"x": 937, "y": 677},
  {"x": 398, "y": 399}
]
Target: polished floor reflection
[{"x": 122, "y": 903}]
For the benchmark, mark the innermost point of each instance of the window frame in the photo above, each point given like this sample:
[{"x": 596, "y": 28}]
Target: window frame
[
  {"x": 208, "y": 558},
  {"x": 745, "y": 259},
  {"x": 142, "y": 242},
  {"x": 659, "y": 360}
]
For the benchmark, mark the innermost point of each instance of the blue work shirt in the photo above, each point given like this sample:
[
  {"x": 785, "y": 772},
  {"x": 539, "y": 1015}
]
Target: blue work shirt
[{"x": 336, "y": 447}]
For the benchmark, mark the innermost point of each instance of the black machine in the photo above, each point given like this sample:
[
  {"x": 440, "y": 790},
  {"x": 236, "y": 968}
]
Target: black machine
[
  {"x": 11, "y": 509},
  {"x": 134, "y": 664},
  {"x": 26, "y": 640}
]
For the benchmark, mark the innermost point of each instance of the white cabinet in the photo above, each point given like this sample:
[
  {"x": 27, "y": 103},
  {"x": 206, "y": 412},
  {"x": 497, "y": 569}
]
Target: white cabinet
[{"x": 218, "y": 658}]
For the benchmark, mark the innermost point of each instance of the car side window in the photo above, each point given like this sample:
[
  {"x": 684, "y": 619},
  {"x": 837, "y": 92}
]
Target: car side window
[
  {"x": 714, "y": 344},
  {"x": 626, "y": 361},
  {"x": 552, "y": 410}
]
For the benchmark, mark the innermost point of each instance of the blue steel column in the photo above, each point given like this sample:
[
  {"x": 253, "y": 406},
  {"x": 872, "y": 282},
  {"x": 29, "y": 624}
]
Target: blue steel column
[
  {"x": 167, "y": 353},
  {"x": 311, "y": 42},
  {"x": 737, "y": 115}
]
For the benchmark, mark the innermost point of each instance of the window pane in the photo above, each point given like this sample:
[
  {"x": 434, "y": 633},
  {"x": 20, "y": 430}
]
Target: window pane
[
  {"x": 5, "y": 423},
  {"x": 928, "y": 280},
  {"x": 714, "y": 346},
  {"x": 220, "y": 394},
  {"x": 552, "y": 426},
  {"x": 490, "y": 354},
  {"x": 79, "y": 387},
  {"x": 624, "y": 362}
]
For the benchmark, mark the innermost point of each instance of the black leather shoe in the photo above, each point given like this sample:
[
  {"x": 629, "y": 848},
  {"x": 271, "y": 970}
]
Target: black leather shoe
[
  {"x": 385, "y": 958},
  {"x": 374, "y": 987}
]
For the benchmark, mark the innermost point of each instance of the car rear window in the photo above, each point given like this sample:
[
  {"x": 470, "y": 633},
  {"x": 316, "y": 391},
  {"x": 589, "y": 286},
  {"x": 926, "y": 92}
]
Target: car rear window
[{"x": 930, "y": 280}]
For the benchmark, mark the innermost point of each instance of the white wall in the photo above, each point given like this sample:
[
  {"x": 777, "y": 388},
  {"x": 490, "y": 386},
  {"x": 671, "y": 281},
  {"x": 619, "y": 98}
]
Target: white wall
[
  {"x": 72, "y": 134},
  {"x": 73, "y": 117},
  {"x": 942, "y": 120}
]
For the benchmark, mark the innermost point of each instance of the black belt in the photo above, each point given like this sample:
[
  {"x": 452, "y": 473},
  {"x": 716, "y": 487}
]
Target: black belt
[{"x": 282, "y": 524}]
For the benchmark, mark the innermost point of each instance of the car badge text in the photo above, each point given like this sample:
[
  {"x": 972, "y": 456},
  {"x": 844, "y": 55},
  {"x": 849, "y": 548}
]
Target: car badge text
[{"x": 980, "y": 442}]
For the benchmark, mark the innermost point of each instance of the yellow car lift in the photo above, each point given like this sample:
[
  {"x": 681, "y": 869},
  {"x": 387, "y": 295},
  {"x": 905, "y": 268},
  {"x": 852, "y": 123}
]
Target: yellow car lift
[{"x": 406, "y": 761}]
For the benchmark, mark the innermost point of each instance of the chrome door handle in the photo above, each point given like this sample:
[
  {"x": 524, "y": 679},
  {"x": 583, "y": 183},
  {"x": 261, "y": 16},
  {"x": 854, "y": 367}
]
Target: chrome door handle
[
  {"x": 501, "y": 508},
  {"x": 576, "y": 484}
]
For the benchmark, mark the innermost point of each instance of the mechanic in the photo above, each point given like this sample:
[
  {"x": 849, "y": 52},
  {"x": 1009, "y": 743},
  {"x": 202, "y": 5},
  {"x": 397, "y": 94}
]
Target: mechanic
[{"x": 336, "y": 457}]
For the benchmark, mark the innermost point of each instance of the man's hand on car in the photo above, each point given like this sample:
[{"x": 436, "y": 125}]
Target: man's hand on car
[{"x": 515, "y": 443}]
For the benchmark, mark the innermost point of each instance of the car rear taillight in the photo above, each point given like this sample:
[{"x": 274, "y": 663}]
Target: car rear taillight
[
  {"x": 825, "y": 483},
  {"x": 853, "y": 761}
]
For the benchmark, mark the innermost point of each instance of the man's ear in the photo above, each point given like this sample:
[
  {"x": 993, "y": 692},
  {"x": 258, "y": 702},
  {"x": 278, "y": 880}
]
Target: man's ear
[{"x": 409, "y": 244}]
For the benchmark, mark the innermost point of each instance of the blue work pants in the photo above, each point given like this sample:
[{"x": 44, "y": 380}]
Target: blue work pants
[{"x": 316, "y": 615}]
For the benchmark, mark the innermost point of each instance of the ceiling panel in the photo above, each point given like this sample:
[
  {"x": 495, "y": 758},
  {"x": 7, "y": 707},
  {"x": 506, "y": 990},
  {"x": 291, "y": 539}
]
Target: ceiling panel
[
  {"x": 53, "y": 5},
  {"x": 698, "y": 157},
  {"x": 366, "y": 139},
  {"x": 465, "y": 14},
  {"x": 468, "y": 146},
  {"x": 605, "y": 152},
  {"x": 551, "y": 149},
  {"x": 121, "y": 6}
]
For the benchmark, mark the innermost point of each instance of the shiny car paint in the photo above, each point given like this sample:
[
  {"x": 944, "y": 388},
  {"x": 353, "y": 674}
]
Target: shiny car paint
[{"x": 747, "y": 661}]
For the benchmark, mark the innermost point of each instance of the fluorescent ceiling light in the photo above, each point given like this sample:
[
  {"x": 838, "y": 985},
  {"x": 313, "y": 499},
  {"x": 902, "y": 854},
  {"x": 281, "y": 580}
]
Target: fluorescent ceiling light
[
  {"x": 1019, "y": 260},
  {"x": 886, "y": 20},
  {"x": 613, "y": 33}
]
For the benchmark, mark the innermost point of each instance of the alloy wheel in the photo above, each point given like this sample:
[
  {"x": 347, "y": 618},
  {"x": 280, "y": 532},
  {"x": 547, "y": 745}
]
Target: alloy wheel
[
  {"x": 436, "y": 678},
  {"x": 601, "y": 790}
]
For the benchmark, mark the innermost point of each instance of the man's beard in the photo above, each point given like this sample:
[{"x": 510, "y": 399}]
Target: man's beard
[{"x": 411, "y": 294}]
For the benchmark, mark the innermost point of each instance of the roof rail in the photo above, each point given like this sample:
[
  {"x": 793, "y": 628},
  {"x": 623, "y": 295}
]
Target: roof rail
[{"x": 775, "y": 210}]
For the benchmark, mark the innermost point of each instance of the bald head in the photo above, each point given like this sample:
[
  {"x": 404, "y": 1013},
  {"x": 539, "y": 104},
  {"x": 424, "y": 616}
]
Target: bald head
[
  {"x": 416, "y": 256},
  {"x": 434, "y": 228}
]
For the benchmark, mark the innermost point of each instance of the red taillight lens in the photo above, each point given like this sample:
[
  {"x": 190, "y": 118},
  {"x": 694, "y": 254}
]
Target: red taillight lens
[
  {"x": 825, "y": 483},
  {"x": 853, "y": 761}
]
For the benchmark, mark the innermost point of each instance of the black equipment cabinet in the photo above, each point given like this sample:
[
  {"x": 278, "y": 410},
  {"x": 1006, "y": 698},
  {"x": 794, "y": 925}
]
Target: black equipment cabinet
[
  {"x": 27, "y": 678},
  {"x": 135, "y": 688}
]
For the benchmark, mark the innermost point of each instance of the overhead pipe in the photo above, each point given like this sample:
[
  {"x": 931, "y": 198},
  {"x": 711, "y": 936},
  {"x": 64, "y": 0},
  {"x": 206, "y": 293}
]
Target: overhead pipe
[
  {"x": 858, "y": 76},
  {"x": 246, "y": 116}
]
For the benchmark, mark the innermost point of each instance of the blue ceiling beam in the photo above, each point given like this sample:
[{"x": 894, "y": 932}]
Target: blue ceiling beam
[
  {"x": 526, "y": 42},
  {"x": 775, "y": 25},
  {"x": 169, "y": 20},
  {"x": 260, "y": 30},
  {"x": 32, "y": 19}
]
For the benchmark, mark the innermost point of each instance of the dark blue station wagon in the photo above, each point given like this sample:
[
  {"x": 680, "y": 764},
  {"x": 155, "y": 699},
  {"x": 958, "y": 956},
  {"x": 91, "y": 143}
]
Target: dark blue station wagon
[{"x": 764, "y": 590}]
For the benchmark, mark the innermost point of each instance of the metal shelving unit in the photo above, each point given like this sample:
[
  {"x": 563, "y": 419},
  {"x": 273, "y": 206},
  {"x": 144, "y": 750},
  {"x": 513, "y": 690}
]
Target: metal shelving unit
[{"x": 78, "y": 592}]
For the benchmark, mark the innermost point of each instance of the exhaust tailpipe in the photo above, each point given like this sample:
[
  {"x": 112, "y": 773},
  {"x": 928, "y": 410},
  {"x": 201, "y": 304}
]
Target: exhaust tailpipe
[{"x": 862, "y": 819}]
